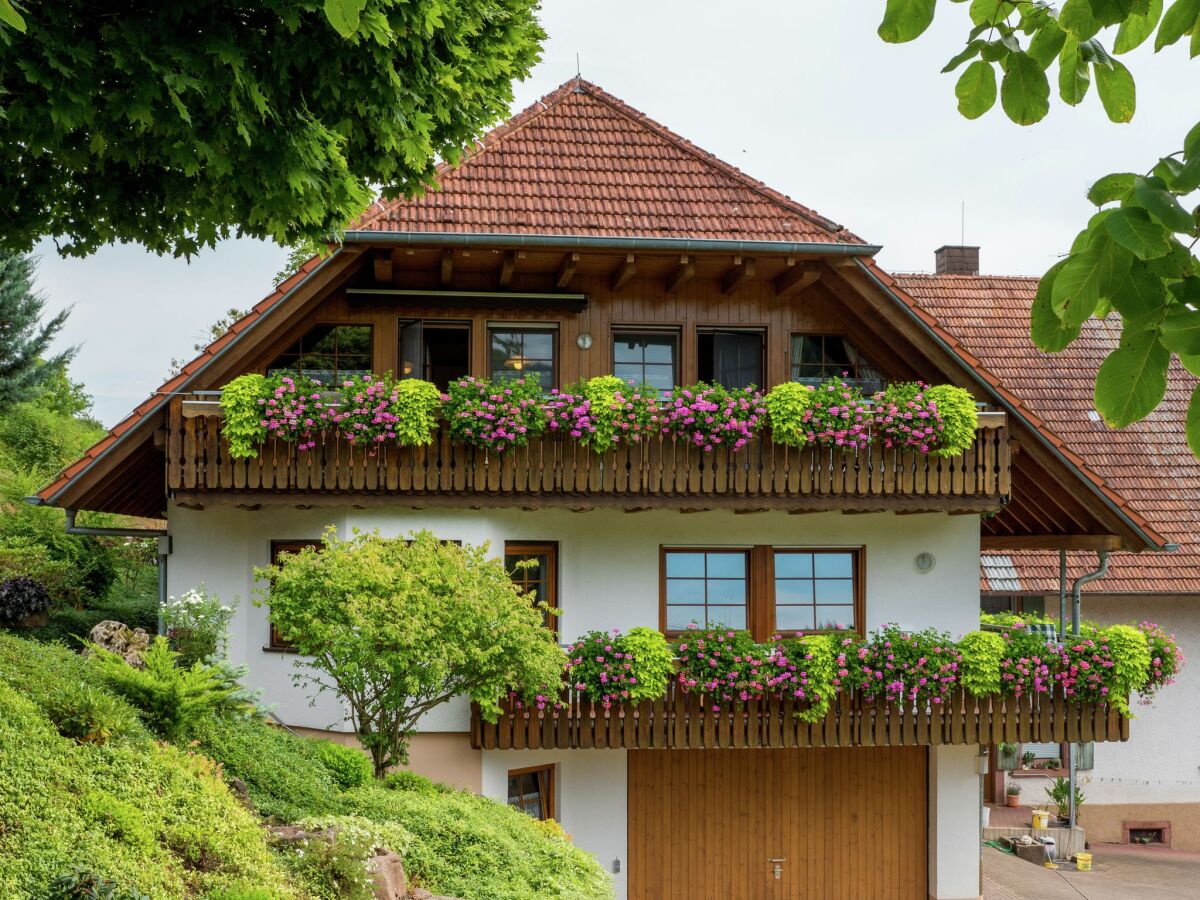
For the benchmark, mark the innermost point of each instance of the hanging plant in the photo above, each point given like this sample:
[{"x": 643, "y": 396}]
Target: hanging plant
[
  {"x": 709, "y": 416},
  {"x": 610, "y": 668},
  {"x": 293, "y": 409},
  {"x": 726, "y": 665},
  {"x": 955, "y": 407},
  {"x": 909, "y": 667},
  {"x": 243, "y": 426},
  {"x": 786, "y": 405},
  {"x": 377, "y": 410},
  {"x": 811, "y": 664},
  {"x": 494, "y": 415},
  {"x": 1166, "y": 659},
  {"x": 905, "y": 418},
  {"x": 837, "y": 416},
  {"x": 602, "y": 412}
]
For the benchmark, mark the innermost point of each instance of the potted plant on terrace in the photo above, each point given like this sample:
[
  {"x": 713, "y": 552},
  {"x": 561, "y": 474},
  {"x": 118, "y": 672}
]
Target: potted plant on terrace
[
  {"x": 1012, "y": 795},
  {"x": 1027, "y": 759}
]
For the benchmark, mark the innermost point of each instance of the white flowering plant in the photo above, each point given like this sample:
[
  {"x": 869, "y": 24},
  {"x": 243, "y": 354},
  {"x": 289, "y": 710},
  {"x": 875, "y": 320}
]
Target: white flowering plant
[{"x": 197, "y": 625}]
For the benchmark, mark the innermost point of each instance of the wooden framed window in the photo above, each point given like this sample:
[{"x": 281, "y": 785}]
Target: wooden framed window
[
  {"x": 763, "y": 589},
  {"x": 328, "y": 353},
  {"x": 279, "y": 549},
  {"x": 705, "y": 586},
  {"x": 524, "y": 352},
  {"x": 816, "y": 357},
  {"x": 540, "y": 577},
  {"x": 647, "y": 357},
  {"x": 532, "y": 791},
  {"x": 437, "y": 351},
  {"x": 816, "y": 590}
]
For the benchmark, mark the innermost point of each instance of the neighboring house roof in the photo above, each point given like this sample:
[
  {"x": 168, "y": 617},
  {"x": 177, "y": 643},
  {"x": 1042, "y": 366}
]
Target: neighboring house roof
[
  {"x": 581, "y": 162},
  {"x": 1149, "y": 463}
]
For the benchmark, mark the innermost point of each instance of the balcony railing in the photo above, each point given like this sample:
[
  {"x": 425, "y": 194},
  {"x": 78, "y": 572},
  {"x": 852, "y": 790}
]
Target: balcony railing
[
  {"x": 682, "y": 720},
  {"x": 657, "y": 471}
]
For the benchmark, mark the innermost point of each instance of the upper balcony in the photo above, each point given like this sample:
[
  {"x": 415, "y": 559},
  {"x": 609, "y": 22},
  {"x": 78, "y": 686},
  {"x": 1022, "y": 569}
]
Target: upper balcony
[{"x": 553, "y": 471}]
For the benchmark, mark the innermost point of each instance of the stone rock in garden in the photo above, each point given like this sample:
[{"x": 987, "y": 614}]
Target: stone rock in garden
[
  {"x": 387, "y": 873},
  {"x": 238, "y": 788},
  {"x": 294, "y": 834},
  {"x": 422, "y": 894},
  {"x": 119, "y": 638}
]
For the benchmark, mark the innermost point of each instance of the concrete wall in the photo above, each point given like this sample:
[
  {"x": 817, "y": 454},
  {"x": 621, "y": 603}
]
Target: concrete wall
[{"x": 954, "y": 823}]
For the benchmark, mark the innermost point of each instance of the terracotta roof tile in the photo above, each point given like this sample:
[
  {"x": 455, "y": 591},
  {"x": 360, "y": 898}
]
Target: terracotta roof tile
[
  {"x": 1148, "y": 464},
  {"x": 581, "y": 162}
]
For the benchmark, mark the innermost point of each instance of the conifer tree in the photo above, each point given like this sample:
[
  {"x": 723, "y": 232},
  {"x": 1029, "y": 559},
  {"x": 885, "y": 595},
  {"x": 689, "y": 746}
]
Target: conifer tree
[{"x": 23, "y": 340}]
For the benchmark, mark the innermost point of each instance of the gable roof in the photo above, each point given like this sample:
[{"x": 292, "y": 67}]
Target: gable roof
[
  {"x": 1148, "y": 464},
  {"x": 581, "y": 162}
]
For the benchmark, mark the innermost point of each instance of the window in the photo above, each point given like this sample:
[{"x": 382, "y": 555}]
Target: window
[
  {"x": 532, "y": 791},
  {"x": 730, "y": 358},
  {"x": 647, "y": 358},
  {"x": 435, "y": 351},
  {"x": 527, "y": 352},
  {"x": 762, "y": 589},
  {"x": 540, "y": 577},
  {"x": 709, "y": 587},
  {"x": 1012, "y": 603},
  {"x": 814, "y": 590},
  {"x": 328, "y": 354},
  {"x": 816, "y": 357},
  {"x": 280, "y": 549}
]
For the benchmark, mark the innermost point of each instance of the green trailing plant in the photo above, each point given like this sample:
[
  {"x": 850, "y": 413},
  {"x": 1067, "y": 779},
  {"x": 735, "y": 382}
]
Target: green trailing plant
[
  {"x": 1131, "y": 662},
  {"x": 812, "y": 663},
  {"x": 1166, "y": 659},
  {"x": 417, "y": 405},
  {"x": 243, "y": 426},
  {"x": 786, "y": 405},
  {"x": 171, "y": 699},
  {"x": 613, "y": 668},
  {"x": 981, "y": 654},
  {"x": 396, "y": 627},
  {"x": 347, "y": 766},
  {"x": 89, "y": 715},
  {"x": 959, "y": 416},
  {"x": 602, "y": 412},
  {"x": 653, "y": 662}
]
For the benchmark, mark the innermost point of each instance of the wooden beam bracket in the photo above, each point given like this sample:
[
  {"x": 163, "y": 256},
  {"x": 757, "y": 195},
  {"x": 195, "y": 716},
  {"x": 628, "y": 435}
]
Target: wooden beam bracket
[
  {"x": 625, "y": 271},
  {"x": 566, "y": 271},
  {"x": 742, "y": 271},
  {"x": 684, "y": 272}
]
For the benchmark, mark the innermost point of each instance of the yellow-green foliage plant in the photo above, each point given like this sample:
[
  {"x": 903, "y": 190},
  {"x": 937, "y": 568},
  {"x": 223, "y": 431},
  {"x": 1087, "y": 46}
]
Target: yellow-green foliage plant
[
  {"x": 981, "y": 655},
  {"x": 960, "y": 419},
  {"x": 1131, "y": 661},
  {"x": 417, "y": 406},
  {"x": 243, "y": 427},
  {"x": 786, "y": 405},
  {"x": 815, "y": 659},
  {"x": 652, "y": 661}
]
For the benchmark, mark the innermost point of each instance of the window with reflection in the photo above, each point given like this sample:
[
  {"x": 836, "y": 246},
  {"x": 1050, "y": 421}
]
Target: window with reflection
[
  {"x": 647, "y": 358},
  {"x": 532, "y": 791},
  {"x": 815, "y": 590},
  {"x": 705, "y": 587},
  {"x": 816, "y": 357},
  {"x": 328, "y": 354},
  {"x": 528, "y": 353},
  {"x": 533, "y": 567}
]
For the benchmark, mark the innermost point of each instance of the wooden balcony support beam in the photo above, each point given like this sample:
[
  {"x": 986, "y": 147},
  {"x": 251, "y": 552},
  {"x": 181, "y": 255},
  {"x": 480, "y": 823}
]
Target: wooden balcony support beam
[
  {"x": 625, "y": 271},
  {"x": 383, "y": 269},
  {"x": 566, "y": 270},
  {"x": 508, "y": 265},
  {"x": 742, "y": 271},
  {"x": 684, "y": 272},
  {"x": 796, "y": 277}
]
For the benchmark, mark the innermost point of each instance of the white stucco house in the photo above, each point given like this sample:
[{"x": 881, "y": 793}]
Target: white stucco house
[{"x": 597, "y": 241}]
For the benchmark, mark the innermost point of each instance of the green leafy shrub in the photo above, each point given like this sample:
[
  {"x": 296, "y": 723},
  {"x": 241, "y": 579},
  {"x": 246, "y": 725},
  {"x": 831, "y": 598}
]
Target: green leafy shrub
[
  {"x": 348, "y": 766},
  {"x": 1059, "y": 793},
  {"x": 786, "y": 405},
  {"x": 332, "y": 870},
  {"x": 89, "y": 715},
  {"x": 196, "y": 625},
  {"x": 239, "y": 892},
  {"x": 21, "y": 555},
  {"x": 960, "y": 419},
  {"x": 982, "y": 652},
  {"x": 118, "y": 819},
  {"x": 171, "y": 699},
  {"x": 22, "y": 597},
  {"x": 243, "y": 424},
  {"x": 417, "y": 406},
  {"x": 81, "y": 884},
  {"x": 407, "y": 780}
]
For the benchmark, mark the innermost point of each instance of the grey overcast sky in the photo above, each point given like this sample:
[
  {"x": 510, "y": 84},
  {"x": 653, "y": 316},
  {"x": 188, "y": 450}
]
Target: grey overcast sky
[{"x": 801, "y": 95}]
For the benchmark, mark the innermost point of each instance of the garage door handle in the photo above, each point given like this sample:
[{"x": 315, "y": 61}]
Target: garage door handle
[{"x": 777, "y": 859}]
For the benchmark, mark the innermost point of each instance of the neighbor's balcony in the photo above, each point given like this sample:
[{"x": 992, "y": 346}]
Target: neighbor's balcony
[
  {"x": 682, "y": 720},
  {"x": 554, "y": 470}
]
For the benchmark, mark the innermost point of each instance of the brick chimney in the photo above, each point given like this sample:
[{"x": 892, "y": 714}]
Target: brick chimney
[{"x": 956, "y": 260}]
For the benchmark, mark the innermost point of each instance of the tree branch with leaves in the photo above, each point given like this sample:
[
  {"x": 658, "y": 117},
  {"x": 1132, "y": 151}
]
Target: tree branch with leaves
[
  {"x": 396, "y": 628},
  {"x": 1135, "y": 257}
]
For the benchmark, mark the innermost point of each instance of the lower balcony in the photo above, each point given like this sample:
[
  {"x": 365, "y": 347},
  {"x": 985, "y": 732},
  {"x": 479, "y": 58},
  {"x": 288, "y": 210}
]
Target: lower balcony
[{"x": 682, "y": 720}]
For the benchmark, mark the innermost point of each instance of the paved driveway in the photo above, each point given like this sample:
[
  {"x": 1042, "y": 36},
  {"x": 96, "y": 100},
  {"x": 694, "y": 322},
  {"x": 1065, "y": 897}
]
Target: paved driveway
[{"x": 1117, "y": 874}]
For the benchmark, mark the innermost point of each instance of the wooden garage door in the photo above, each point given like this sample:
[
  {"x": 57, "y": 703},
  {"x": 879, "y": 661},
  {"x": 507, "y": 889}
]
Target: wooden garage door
[{"x": 845, "y": 823}]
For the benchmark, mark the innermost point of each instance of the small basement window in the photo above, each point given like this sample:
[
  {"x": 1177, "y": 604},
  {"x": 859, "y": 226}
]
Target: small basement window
[
  {"x": 532, "y": 791},
  {"x": 328, "y": 354}
]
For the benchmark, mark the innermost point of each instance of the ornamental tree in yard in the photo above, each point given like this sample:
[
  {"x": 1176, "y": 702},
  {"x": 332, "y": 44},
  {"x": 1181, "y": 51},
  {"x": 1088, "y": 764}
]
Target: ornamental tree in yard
[
  {"x": 176, "y": 124},
  {"x": 1135, "y": 257},
  {"x": 396, "y": 627}
]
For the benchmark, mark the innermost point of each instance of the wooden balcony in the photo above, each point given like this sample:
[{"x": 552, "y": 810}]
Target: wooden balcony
[
  {"x": 682, "y": 721},
  {"x": 552, "y": 470}
]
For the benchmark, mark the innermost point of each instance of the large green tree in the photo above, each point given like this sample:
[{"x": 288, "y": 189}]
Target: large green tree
[
  {"x": 24, "y": 338},
  {"x": 397, "y": 627},
  {"x": 177, "y": 124},
  {"x": 1134, "y": 258}
]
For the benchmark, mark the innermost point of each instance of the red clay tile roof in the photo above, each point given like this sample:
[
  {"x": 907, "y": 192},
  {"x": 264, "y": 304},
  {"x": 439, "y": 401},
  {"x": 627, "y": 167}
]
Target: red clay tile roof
[
  {"x": 581, "y": 162},
  {"x": 1148, "y": 463}
]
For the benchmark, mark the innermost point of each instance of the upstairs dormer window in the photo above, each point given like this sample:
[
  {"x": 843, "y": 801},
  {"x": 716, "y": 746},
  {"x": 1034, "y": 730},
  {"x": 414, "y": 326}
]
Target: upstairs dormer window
[
  {"x": 817, "y": 357},
  {"x": 328, "y": 354}
]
